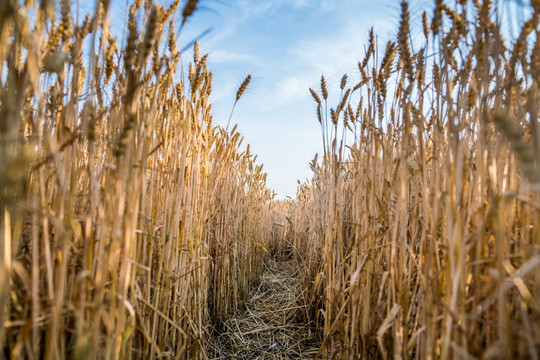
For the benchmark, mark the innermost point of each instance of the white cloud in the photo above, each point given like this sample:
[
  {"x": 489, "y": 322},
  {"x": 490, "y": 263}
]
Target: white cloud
[
  {"x": 224, "y": 55},
  {"x": 340, "y": 50},
  {"x": 293, "y": 88},
  {"x": 258, "y": 7},
  {"x": 331, "y": 56},
  {"x": 287, "y": 91},
  {"x": 255, "y": 8}
]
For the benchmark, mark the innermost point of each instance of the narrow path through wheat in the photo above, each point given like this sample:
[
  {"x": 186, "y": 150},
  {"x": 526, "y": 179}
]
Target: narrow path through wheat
[{"x": 269, "y": 326}]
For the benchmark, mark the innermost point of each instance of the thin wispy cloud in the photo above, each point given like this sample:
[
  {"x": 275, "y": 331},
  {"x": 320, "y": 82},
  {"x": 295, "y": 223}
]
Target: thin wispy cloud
[
  {"x": 230, "y": 56},
  {"x": 291, "y": 89}
]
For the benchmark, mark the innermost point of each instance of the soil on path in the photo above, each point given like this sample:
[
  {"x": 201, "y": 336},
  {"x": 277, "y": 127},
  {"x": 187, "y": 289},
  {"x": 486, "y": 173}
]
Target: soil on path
[{"x": 268, "y": 327}]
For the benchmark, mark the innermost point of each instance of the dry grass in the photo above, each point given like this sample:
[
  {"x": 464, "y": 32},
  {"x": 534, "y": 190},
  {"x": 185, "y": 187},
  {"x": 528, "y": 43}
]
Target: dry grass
[
  {"x": 423, "y": 214},
  {"x": 132, "y": 227},
  {"x": 270, "y": 326},
  {"x": 129, "y": 221}
]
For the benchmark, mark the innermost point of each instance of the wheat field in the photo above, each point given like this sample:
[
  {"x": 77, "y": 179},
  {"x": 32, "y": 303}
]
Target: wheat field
[{"x": 133, "y": 227}]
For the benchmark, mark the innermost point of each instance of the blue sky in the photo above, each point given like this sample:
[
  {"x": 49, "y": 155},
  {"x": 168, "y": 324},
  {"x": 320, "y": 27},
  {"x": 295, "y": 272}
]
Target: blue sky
[{"x": 287, "y": 45}]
